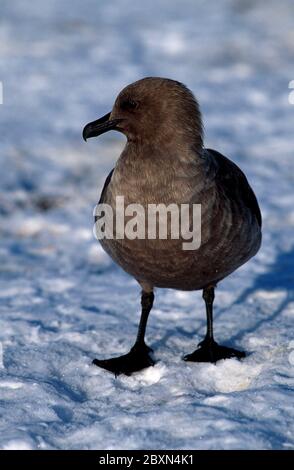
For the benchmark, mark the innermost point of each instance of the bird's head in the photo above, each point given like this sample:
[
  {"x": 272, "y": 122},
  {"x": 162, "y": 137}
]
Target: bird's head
[{"x": 152, "y": 110}]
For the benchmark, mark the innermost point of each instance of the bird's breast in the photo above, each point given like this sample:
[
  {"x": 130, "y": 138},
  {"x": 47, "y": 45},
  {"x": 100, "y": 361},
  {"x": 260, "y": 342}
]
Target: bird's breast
[{"x": 227, "y": 234}]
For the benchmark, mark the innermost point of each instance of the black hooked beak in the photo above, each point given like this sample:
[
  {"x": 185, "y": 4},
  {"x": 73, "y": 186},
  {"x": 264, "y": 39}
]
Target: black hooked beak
[{"x": 104, "y": 124}]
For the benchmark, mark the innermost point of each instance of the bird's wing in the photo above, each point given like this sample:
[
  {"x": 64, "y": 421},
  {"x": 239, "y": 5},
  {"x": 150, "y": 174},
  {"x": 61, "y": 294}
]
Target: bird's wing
[
  {"x": 106, "y": 183},
  {"x": 233, "y": 183}
]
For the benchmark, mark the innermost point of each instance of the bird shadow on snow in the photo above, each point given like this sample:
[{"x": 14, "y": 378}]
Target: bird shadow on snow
[{"x": 279, "y": 277}]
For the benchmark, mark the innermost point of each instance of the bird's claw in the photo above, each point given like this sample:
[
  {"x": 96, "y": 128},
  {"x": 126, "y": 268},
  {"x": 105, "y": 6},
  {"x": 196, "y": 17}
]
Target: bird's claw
[
  {"x": 136, "y": 359},
  {"x": 210, "y": 351}
]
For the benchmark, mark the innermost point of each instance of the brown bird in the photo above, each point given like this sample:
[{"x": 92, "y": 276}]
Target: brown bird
[{"x": 164, "y": 162}]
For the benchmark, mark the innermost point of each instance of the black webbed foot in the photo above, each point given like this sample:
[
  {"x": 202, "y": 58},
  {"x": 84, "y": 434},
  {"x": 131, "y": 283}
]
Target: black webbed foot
[
  {"x": 136, "y": 359},
  {"x": 209, "y": 351}
]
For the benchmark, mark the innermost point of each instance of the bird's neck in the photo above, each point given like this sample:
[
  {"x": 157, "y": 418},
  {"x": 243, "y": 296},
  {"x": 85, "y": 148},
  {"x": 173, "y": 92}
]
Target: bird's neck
[
  {"x": 161, "y": 163},
  {"x": 173, "y": 152}
]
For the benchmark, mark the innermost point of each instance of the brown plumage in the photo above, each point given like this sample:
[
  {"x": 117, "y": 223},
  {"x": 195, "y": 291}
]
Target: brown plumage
[{"x": 164, "y": 162}]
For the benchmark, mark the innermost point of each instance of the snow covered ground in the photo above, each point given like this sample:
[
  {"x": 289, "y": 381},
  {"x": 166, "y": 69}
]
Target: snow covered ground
[{"x": 63, "y": 301}]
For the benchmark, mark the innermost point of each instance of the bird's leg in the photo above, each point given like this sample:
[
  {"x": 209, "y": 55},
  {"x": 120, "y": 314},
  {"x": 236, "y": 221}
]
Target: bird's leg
[
  {"x": 208, "y": 350},
  {"x": 138, "y": 357}
]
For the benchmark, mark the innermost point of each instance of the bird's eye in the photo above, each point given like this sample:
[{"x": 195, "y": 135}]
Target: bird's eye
[{"x": 129, "y": 105}]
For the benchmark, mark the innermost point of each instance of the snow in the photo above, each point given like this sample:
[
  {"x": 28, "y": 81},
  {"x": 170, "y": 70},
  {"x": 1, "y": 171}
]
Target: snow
[{"x": 63, "y": 302}]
